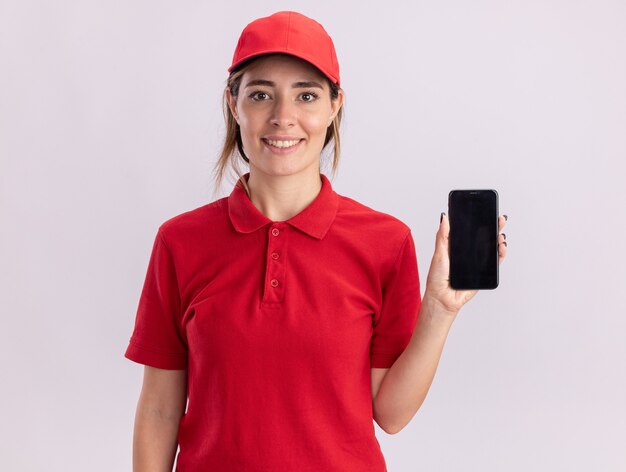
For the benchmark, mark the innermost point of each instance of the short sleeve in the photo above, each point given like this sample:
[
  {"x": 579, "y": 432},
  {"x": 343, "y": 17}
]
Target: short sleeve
[
  {"x": 157, "y": 339},
  {"x": 401, "y": 303}
]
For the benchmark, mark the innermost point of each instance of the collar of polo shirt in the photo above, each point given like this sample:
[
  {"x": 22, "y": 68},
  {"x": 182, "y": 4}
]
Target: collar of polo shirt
[{"x": 314, "y": 220}]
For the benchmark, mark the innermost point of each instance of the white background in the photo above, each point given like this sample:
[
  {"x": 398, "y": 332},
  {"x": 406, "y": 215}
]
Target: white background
[{"x": 110, "y": 122}]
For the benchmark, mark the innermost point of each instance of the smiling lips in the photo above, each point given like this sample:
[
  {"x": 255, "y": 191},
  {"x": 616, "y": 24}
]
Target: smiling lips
[{"x": 282, "y": 144}]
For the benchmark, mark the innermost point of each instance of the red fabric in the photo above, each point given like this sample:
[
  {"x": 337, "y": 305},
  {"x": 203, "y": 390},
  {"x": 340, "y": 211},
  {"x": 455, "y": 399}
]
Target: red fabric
[
  {"x": 278, "y": 372},
  {"x": 288, "y": 32}
]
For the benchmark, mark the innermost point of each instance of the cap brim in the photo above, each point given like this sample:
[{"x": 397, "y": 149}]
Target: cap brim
[{"x": 250, "y": 57}]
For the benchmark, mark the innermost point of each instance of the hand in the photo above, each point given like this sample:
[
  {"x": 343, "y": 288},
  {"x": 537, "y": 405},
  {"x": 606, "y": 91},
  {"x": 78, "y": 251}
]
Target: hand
[{"x": 438, "y": 288}]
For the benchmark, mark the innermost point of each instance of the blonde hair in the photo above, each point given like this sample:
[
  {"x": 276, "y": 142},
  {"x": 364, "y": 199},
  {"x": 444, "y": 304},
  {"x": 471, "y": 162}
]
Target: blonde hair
[{"x": 232, "y": 148}]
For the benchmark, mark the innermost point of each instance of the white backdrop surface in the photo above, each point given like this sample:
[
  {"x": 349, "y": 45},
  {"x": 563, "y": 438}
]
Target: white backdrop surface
[{"x": 110, "y": 121}]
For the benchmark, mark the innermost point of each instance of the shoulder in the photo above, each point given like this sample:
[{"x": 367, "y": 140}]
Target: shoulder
[
  {"x": 378, "y": 234},
  {"x": 195, "y": 222},
  {"x": 379, "y": 223}
]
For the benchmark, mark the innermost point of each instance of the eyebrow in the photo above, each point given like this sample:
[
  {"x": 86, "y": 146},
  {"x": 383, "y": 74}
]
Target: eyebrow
[{"x": 269, "y": 83}]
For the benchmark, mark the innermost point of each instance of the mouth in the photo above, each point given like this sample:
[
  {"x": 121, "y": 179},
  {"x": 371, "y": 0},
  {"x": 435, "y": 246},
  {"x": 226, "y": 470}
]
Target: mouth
[{"x": 282, "y": 146}]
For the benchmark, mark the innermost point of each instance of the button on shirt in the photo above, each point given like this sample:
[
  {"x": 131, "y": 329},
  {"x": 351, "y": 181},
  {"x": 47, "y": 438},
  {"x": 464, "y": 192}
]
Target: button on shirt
[{"x": 278, "y": 324}]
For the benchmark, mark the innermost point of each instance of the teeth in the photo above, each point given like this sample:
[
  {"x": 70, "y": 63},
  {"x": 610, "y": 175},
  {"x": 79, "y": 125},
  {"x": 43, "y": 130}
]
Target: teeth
[{"x": 282, "y": 144}]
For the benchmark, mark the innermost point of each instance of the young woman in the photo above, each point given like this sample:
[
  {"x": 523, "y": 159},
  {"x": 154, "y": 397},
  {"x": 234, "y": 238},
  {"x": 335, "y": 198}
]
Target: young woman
[{"x": 287, "y": 315}]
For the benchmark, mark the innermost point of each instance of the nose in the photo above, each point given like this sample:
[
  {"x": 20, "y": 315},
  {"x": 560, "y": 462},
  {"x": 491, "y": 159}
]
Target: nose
[{"x": 283, "y": 113}]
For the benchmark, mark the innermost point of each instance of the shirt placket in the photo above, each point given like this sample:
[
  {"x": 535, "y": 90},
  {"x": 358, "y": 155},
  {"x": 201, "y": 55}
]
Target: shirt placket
[{"x": 276, "y": 261}]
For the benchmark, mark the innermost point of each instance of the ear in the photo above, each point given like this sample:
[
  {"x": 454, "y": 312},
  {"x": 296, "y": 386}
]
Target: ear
[
  {"x": 232, "y": 104},
  {"x": 335, "y": 106}
]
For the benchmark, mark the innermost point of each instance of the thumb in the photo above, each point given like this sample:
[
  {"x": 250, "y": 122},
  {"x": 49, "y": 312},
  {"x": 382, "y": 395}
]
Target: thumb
[{"x": 443, "y": 233}]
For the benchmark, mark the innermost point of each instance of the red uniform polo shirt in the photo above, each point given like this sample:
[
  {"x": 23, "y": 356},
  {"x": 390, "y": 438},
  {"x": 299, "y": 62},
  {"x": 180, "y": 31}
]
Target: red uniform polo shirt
[{"x": 278, "y": 324}]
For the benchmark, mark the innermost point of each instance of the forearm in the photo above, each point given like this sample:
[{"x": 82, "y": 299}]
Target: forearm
[
  {"x": 155, "y": 440},
  {"x": 407, "y": 382}
]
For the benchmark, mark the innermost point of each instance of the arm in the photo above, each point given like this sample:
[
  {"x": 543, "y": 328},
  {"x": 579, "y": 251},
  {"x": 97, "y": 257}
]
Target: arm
[
  {"x": 161, "y": 405},
  {"x": 404, "y": 387}
]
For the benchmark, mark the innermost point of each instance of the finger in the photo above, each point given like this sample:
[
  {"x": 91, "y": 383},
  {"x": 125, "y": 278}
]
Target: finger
[
  {"x": 502, "y": 250},
  {"x": 445, "y": 226},
  {"x": 502, "y": 221},
  {"x": 444, "y": 231}
]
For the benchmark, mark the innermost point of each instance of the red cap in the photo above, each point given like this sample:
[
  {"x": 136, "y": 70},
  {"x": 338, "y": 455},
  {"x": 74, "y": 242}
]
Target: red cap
[{"x": 288, "y": 32}]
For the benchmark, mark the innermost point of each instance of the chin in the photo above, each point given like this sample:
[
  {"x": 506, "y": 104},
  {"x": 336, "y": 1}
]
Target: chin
[{"x": 285, "y": 169}]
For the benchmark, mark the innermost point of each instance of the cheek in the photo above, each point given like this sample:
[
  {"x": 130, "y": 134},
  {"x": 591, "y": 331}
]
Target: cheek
[
  {"x": 315, "y": 123},
  {"x": 249, "y": 123}
]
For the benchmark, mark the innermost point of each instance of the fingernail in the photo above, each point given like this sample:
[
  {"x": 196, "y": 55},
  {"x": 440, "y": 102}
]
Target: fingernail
[
  {"x": 505, "y": 244},
  {"x": 506, "y": 217},
  {"x": 503, "y": 234},
  {"x": 441, "y": 217}
]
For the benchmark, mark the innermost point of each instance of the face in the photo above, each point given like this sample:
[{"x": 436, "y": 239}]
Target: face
[{"x": 283, "y": 109}]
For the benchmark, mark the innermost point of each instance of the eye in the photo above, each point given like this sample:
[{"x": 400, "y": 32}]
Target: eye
[
  {"x": 309, "y": 96},
  {"x": 259, "y": 95}
]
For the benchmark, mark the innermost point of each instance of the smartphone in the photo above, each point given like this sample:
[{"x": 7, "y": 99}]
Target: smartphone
[{"x": 473, "y": 243}]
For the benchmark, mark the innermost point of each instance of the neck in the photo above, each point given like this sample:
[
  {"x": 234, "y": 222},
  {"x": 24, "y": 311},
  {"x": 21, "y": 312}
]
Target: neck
[{"x": 281, "y": 197}]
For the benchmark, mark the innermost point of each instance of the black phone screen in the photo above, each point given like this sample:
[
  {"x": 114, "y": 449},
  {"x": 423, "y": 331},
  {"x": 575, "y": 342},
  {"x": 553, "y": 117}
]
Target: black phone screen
[{"x": 473, "y": 243}]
